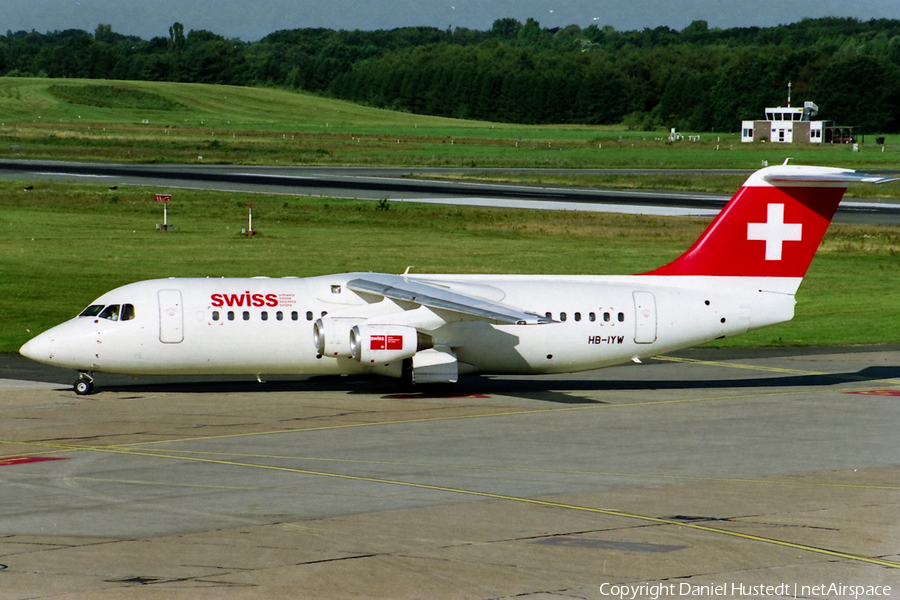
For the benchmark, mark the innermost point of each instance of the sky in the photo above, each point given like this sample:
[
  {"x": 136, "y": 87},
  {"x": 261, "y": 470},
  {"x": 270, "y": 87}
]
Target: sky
[{"x": 251, "y": 20}]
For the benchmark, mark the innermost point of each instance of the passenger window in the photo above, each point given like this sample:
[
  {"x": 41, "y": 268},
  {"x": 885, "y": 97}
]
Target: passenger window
[
  {"x": 295, "y": 315},
  {"x": 549, "y": 315},
  {"x": 91, "y": 311},
  {"x": 592, "y": 317},
  {"x": 231, "y": 315},
  {"x": 309, "y": 315},
  {"x": 246, "y": 315},
  {"x": 127, "y": 312},
  {"x": 215, "y": 315},
  {"x": 606, "y": 317},
  {"x": 264, "y": 315},
  {"x": 279, "y": 315},
  {"x": 110, "y": 313},
  {"x": 577, "y": 316},
  {"x": 621, "y": 317},
  {"x": 562, "y": 316}
]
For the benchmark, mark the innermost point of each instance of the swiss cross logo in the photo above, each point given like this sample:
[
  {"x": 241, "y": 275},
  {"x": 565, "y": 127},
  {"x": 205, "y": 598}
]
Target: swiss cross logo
[
  {"x": 386, "y": 342},
  {"x": 774, "y": 232}
]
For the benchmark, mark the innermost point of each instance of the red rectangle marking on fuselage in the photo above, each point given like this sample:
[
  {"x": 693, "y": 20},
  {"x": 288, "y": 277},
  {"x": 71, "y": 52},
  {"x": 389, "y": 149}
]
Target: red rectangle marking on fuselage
[
  {"x": 394, "y": 342},
  {"x": 376, "y": 342}
]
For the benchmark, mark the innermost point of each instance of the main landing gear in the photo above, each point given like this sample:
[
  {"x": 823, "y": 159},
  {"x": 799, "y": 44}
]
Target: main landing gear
[{"x": 85, "y": 384}]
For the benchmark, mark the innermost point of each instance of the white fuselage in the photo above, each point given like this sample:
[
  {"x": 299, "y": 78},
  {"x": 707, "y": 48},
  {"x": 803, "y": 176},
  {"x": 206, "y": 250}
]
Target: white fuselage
[
  {"x": 265, "y": 326},
  {"x": 740, "y": 274}
]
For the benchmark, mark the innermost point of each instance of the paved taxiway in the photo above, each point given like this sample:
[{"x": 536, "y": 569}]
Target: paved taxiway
[
  {"x": 708, "y": 468},
  {"x": 420, "y": 185}
]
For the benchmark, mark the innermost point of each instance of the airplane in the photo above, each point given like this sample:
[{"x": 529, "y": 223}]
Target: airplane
[{"x": 741, "y": 274}]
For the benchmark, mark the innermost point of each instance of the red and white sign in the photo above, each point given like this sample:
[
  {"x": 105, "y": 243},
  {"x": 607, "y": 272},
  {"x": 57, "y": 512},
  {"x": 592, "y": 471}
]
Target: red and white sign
[
  {"x": 163, "y": 197},
  {"x": 386, "y": 342}
]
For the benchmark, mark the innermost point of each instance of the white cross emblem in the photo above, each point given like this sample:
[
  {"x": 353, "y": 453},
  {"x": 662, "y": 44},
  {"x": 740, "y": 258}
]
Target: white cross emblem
[{"x": 774, "y": 232}]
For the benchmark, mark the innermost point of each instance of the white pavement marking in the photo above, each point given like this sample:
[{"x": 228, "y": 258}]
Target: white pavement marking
[{"x": 575, "y": 206}]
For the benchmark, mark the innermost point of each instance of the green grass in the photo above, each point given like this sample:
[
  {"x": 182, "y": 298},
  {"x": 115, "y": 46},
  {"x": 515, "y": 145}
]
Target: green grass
[
  {"x": 113, "y": 96},
  {"x": 63, "y": 245},
  {"x": 30, "y": 100},
  {"x": 174, "y": 122}
]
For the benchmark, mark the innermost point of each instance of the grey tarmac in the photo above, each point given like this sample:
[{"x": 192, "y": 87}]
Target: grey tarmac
[{"x": 690, "y": 475}]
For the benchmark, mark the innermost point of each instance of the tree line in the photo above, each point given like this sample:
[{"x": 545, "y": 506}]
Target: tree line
[{"x": 696, "y": 79}]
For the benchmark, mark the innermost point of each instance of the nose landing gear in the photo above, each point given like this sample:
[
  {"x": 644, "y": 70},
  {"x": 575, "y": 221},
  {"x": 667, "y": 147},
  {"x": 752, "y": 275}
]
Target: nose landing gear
[{"x": 85, "y": 384}]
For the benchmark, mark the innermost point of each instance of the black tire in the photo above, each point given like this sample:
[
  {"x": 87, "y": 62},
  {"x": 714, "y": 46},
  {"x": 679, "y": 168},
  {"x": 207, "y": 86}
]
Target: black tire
[{"x": 83, "y": 387}]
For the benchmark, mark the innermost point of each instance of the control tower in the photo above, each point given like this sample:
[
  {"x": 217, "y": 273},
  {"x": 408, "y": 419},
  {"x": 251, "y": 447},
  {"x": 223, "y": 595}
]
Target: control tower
[{"x": 787, "y": 124}]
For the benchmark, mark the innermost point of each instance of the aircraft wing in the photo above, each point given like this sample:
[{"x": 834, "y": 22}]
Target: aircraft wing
[{"x": 398, "y": 287}]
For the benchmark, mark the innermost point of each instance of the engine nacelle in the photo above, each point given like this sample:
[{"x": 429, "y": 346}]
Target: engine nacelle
[
  {"x": 332, "y": 335},
  {"x": 385, "y": 343}
]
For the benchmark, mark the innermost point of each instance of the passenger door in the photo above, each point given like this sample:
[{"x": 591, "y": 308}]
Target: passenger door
[
  {"x": 171, "y": 317},
  {"x": 645, "y": 318}
]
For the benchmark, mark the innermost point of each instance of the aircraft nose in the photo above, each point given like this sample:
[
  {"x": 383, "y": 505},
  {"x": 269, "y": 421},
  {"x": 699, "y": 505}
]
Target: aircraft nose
[{"x": 37, "y": 348}]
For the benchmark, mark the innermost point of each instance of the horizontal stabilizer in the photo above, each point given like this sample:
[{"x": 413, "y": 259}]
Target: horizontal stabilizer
[{"x": 787, "y": 174}]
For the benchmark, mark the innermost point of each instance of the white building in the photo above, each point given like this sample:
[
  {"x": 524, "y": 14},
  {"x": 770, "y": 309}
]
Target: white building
[{"x": 789, "y": 124}]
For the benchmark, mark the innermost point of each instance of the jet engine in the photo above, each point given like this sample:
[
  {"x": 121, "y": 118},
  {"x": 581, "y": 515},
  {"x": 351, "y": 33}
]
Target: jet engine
[
  {"x": 332, "y": 335},
  {"x": 386, "y": 343}
]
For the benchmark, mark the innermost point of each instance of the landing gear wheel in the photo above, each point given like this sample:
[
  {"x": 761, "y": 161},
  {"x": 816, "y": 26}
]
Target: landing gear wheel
[{"x": 84, "y": 385}]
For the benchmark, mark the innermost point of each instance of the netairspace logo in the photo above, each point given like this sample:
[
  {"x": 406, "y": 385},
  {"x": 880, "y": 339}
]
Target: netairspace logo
[{"x": 737, "y": 590}]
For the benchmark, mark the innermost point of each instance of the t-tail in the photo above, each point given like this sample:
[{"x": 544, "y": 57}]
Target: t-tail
[{"x": 771, "y": 227}]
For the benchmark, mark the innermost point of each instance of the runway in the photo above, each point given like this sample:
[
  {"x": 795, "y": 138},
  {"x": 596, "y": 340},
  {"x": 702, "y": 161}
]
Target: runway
[
  {"x": 687, "y": 473},
  {"x": 419, "y": 185}
]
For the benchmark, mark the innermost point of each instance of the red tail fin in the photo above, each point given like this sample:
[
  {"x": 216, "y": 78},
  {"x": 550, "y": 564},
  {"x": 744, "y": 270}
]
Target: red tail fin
[{"x": 771, "y": 227}]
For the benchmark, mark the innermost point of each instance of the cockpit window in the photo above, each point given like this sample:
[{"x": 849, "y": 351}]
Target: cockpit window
[
  {"x": 127, "y": 312},
  {"x": 111, "y": 312},
  {"x": 91, "y": 311}
]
